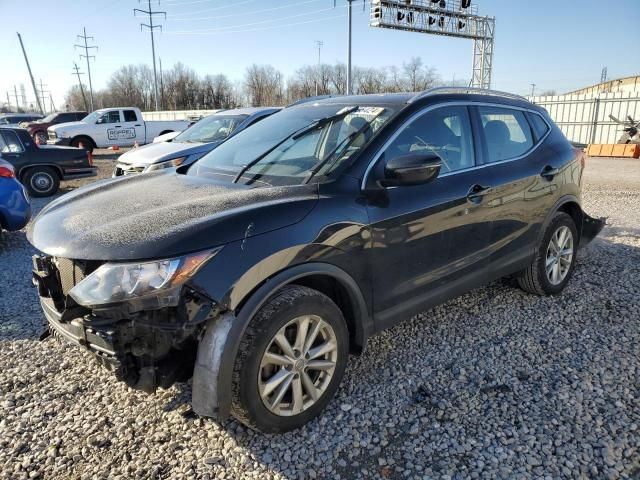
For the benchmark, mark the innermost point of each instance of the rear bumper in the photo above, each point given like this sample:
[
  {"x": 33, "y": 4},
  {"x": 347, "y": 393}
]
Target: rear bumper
[
  {"x": 15, "y": 209},
  {"x": 74, "y": 173},
  {"x": 66, "y": 142},
  {"x": 591, "y": 227}
]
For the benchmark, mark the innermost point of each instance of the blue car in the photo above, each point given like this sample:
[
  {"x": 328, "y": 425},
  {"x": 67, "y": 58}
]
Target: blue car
[{"x": 15, "y": 206}]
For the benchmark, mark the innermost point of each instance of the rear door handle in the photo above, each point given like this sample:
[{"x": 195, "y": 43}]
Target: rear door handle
[
  {"x": 118, "y": 126},
  {"x": 549, "y": 172},
  {"x": 137, "y": 125},
  {"x": 477, "y": 192}
]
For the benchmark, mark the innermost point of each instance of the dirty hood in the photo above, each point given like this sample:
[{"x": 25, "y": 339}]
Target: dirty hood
[
  {"x": 163, "y": 214},
  {"x": 163, "y": 151}
]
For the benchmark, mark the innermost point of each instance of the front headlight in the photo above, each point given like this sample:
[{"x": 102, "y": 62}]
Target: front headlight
[
  {"x": 121, "y": 282},
  {"x": 174, "y": 162}
]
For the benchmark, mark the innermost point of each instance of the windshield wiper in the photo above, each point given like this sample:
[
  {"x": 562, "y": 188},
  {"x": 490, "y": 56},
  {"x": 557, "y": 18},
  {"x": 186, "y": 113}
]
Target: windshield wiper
[{"x": 294, "y": 135}]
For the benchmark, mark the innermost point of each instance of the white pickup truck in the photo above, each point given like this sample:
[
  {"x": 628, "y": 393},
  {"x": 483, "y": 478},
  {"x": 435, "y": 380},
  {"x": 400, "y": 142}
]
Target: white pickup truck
[{"x": 107, "y": 127}]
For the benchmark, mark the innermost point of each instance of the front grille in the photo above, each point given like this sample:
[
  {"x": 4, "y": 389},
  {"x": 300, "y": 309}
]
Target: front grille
[{"x": 70, "y": 273}]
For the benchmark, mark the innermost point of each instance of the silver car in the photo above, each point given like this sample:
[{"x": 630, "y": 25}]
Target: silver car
[{"x": 191, "y": 144}]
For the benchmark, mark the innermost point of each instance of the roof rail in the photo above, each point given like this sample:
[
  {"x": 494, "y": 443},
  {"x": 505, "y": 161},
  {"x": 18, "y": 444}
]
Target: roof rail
[
  {"x": 469, "y": 90},
  {"x": 310, "y": 99}
]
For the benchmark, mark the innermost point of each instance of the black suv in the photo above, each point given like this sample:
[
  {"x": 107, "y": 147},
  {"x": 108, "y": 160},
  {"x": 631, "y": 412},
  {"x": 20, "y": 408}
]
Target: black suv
[{"x": 259, "y": 268}]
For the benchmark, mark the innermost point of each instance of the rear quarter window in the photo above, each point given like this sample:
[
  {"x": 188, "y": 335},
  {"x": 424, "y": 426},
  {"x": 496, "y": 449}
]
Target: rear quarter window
[{"x": 539, "y": 126}]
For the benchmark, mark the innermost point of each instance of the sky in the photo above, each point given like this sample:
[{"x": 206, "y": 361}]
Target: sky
[{"x": 559, "y": 45}]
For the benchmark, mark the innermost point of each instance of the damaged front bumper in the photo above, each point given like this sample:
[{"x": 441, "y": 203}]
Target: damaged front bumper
[{"x": 146, "y": 349}]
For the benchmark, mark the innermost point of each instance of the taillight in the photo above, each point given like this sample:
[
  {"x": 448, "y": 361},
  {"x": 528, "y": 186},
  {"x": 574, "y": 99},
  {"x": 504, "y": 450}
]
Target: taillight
[{"x": 7, "y": 172}]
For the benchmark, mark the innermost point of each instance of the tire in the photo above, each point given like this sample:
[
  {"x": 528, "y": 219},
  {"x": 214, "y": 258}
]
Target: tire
[
  {"x": 41, "y": 181},
  {"x": 86, "y": 142},
  {"x": 535, "y": 278},
  {"x": 42, "y": 136},
  {"x": 284, "y": 312}
]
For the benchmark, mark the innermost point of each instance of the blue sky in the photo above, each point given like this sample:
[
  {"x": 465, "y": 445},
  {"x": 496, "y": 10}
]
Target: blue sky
[{"x": 557, "y": 44}]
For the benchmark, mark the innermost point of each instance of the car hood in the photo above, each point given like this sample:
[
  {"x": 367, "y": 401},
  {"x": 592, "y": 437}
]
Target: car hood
[
  {"x": 62, "y": 126},
  {"x": 162, "y": 215},
  {"x": 160, "y": 152}
]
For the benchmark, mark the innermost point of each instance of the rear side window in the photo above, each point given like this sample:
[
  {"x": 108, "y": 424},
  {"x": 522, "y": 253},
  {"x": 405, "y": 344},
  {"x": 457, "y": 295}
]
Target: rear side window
[
  {"x": 9, "y": 143},
  {"x": 539, "y": 125},
  {"x": 130, "y": 116},
  {"x": 506, "y": 132}
]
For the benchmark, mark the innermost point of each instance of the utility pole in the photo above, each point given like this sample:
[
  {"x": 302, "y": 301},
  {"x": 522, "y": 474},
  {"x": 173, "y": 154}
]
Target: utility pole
[
  {"x": 78, "y": 73},
  {"x": 87, "y": 56},
  {"x": 8, "y": 102},
  {"x": 15, "y": 94},
  {"x": 533, "y": 89},
  {"x": 161, "y": 86},
  {"x": 319, "y": 44},
  {"x": 33, "y": 82},
  {"x": 151, "y": 28},
  {"x": 349, "y": 55},
  {"x": 43, "y": 93}
]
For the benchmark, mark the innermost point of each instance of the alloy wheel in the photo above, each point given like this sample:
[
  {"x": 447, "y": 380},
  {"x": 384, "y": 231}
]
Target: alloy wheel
[
  {"x": 297, "y": 365},
  {"x": 559, "y": 255}
]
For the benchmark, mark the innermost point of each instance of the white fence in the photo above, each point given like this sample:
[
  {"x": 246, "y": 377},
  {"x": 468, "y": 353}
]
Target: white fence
[
  {"x": 585, "y": 118},
  {"x": 177, "y": 114}
]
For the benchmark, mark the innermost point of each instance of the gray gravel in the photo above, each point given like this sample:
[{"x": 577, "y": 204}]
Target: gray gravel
[{"x": 496, "y": 383}]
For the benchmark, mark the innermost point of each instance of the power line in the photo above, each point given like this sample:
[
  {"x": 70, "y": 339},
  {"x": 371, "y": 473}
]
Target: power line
[
  {"x": 174, "y": 4},
  {"x": 259, "y": 29},
  {"x": 262, "y": 22},
  {"x": 151, "y": 28},
  {"x": 253, "y": 12},
  {"x": 87, "y": 56}
]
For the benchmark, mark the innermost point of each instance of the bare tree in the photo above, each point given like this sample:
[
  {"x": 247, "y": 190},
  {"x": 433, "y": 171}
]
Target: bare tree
[{"x": 264, "y": 85}]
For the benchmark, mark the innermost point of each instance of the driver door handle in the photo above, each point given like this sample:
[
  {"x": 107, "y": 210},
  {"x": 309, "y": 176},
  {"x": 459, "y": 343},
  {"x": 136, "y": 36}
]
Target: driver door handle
[
  {"x": 477, "y": 192},
  {"x": 549, "y": 172}
]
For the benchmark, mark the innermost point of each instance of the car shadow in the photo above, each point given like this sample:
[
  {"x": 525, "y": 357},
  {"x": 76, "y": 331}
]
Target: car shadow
[{"x": 432, "y": 355}]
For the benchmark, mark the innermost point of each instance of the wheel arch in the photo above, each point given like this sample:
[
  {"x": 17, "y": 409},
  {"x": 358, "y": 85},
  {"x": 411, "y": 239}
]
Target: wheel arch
[
  {"x": 212, "y": 377},
  {"x": 23, "y": 171},
  {"x": 570, "y": 205},
  {"x": 84, "y": 136},
  {"x": 163, "y": 132}
]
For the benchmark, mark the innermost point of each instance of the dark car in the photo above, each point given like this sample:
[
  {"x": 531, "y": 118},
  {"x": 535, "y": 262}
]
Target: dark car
[
  {"x": 41, "y": 167},
  {"x": 15, "y": 208},
  {"x": 38, "y": 128},
  {"x": 193, "y": 143},
  {"x": 262, "y": 266},
  {"x": 14, "y": 119}
]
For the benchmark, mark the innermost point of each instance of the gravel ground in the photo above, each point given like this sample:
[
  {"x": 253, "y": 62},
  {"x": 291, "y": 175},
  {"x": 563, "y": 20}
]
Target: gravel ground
[{"x": 496, "y": 383}]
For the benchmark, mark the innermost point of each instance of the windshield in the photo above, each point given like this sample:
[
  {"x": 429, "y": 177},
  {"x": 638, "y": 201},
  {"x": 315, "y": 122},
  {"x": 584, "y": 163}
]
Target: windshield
[
  {"x": 92, "y": 117},
  {"x": 211, "y": 129},
  {"x": 298, "y": 143},
  {"x": 49, "y": 118}
]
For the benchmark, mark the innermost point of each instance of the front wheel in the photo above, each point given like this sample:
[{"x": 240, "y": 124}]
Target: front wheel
[
  {"x": 41, "y": 181},
  {"x": 290, "y": 361},
  {"x": 41, "y": 137},
  {"x": 555, "y": 258}
]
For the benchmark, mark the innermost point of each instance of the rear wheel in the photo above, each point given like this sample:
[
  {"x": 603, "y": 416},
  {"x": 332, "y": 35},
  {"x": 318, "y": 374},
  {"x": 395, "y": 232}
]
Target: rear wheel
[
  {"x": 290, "y": 361},
  {"x": 86, "y": 142},
  {"x": 41, "y": 181},
  {"x": 555, "y": 259}
]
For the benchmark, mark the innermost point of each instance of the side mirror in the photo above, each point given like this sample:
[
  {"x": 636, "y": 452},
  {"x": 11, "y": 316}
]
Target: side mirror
[
  {"x": 411, "y": 169},
  {"x": 100, "y": 120}
]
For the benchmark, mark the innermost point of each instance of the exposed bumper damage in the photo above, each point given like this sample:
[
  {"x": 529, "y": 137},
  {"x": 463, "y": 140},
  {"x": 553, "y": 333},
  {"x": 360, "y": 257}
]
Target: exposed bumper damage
[
  {"x": 591, "y": 227},
  {"x": 146, "y": 349}
]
